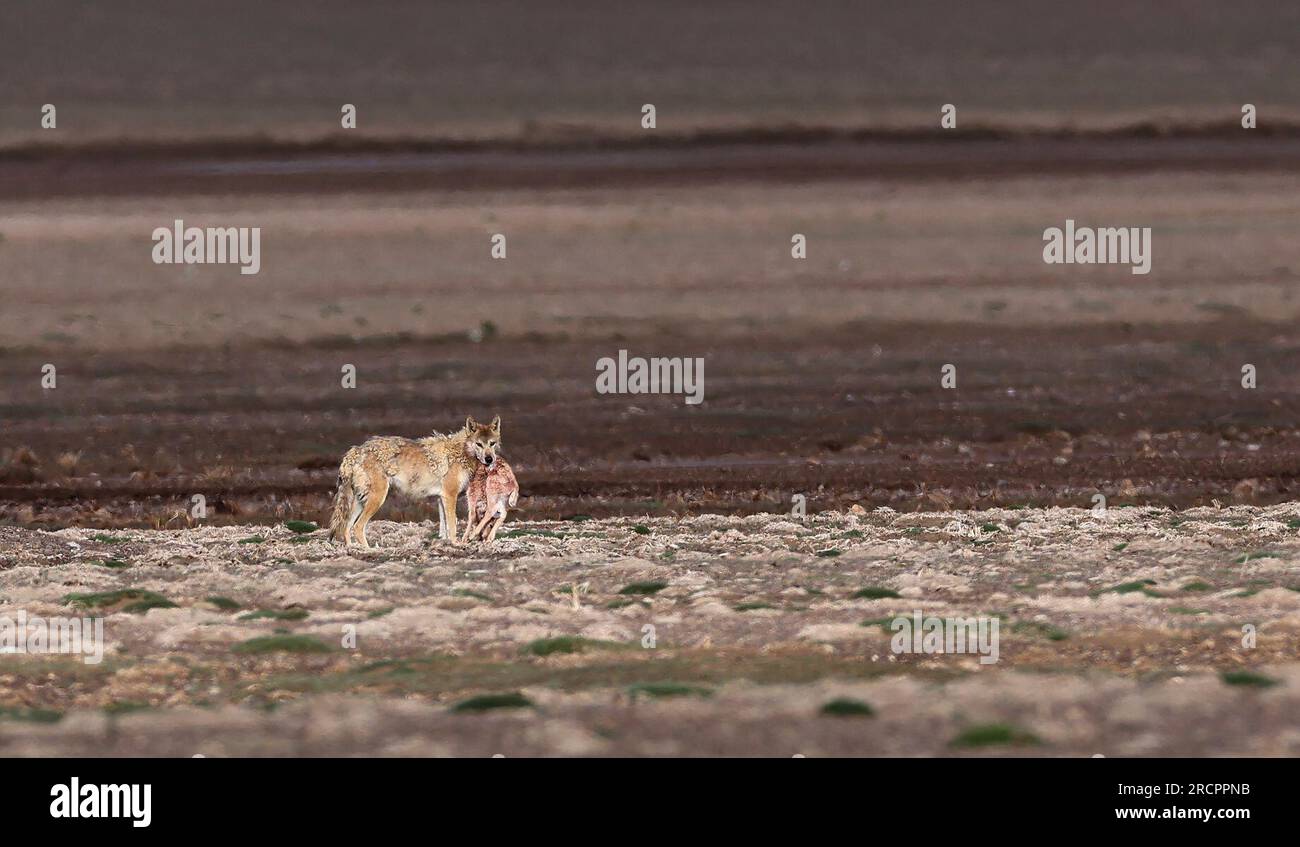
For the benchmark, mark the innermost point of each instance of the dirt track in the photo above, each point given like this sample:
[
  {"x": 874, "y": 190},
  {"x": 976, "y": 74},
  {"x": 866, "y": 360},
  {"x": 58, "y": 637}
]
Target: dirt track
[{"x": 1115, "y": 629}]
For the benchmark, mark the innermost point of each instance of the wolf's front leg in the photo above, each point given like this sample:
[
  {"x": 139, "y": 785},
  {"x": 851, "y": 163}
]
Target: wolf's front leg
[
  {"x": 442, "y": 519},
  {"x": 449, "y": 495}
]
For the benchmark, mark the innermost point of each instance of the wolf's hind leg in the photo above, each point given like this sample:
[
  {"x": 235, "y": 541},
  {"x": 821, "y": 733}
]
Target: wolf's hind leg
[
  {"x": 374, "y": 499},
  {"x": 358, "y": 504}
]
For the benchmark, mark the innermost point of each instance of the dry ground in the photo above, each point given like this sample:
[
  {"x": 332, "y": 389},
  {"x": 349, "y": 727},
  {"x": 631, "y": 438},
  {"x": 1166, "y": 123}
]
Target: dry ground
[
  {"x": 822, "y": 375},
  {"x": 1120, "y": 633},
  {"x": 821, "y": 378}
]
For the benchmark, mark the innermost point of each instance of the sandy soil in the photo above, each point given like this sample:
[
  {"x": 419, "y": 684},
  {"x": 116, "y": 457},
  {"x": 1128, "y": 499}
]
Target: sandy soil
[
  {"x": 637, "y": 260},
  {"x": 1115, "y": 631}
]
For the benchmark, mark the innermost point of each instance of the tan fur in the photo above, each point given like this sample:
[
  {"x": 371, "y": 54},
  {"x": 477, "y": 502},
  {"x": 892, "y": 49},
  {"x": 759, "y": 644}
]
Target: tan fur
[
  {"x": 438, "y": 465},
  {"x": 491, "y": 493}
]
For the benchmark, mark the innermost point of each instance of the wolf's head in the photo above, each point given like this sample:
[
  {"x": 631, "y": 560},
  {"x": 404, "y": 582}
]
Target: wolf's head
[{"x": 483, "y": 440}]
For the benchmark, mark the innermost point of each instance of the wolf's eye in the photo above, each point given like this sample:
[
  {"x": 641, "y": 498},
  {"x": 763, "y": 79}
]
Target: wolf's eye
[{"x": 492, "y": 444}]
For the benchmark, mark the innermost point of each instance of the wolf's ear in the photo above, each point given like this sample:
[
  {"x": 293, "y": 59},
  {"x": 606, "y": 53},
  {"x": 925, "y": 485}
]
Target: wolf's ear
[
  {"x": 496, "y": 424},
  {"x": 470, "y": 425}
]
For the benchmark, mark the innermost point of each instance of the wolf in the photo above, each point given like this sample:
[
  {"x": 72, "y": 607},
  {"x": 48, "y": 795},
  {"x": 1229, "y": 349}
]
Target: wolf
[
  {"x": 492, "y": 490},
  {"x": 423, "y": 467}
]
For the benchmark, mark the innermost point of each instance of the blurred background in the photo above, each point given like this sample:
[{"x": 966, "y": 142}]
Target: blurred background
[{"x": 822, "y": 374}]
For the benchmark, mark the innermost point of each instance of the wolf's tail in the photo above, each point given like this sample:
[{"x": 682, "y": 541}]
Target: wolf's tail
[{"x": 342, "y": 506}]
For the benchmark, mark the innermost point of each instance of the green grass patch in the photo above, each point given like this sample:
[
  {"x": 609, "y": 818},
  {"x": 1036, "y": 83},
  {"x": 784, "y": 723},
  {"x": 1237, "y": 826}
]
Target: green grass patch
[
  {"x": 379, "y": 613},
  {"x": 990, "y": 527},
  {"x": 488, "y": 702},
  {"x": 578, "y": 518},
  {"x": 137, "y": 600},
  {"x": 225, "y": 604},
  {"x": 13, "y": 713},
  {"x": 276, "y": 615},
  {"x": 569, "y": 644},
  {"x": 465, "y": 592},
  {"x": 1197, "y": 586},
  {"x": 1119, "y": 548},
  {"x": 282, "y": 643},
  {"x": 107, "y": 539},
  {"x": 301, "y": 527},
  {"x": 643, "y": 588},
  {"x": 139, "y": 607},
  {"x": 993, "y": 734},
  {"x": 1046, "y": 630},
  {"x": 750, "y": 607},
  {"x": 845, "y": 707},
  {"x": 830, "y": 553},
  {"x": 252, "y": 539},
  {"x": 1184, "y": 610},
  {"x": 115, "y": 564},
  {"x": 665, "y": 690},
  {"x": 1248, "y": 678},
  {"x": 124, "y": 707},
  {"x": 1258, "y": 554},
  {"x": 518, "y": 533},
  {"x": 641, "y": 529},
  {"x": 875, "y": 592}
]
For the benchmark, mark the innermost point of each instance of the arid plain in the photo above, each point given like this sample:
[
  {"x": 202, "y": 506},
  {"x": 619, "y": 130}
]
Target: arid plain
[{"x": 1163, "y": 624}]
